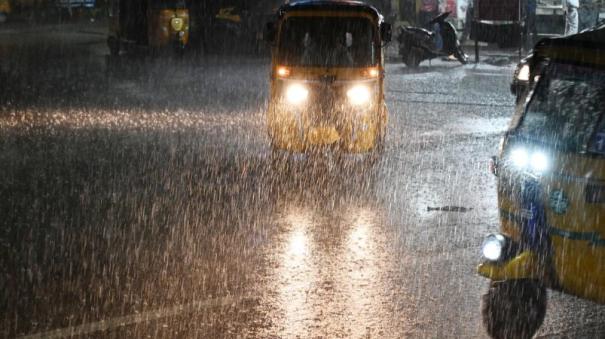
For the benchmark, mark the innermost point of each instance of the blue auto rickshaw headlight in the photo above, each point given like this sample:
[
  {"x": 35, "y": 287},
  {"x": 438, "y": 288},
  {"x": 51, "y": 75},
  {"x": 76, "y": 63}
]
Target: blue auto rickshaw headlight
[
  {"x": 523, "y": 159},
  {"x": 493, "y": 247}
]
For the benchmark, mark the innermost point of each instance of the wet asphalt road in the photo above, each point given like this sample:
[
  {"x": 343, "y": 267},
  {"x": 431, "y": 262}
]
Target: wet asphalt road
[{"x": 139, "y": 200}]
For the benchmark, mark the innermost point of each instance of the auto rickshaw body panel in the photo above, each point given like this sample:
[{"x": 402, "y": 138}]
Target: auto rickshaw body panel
[
  {"x": 577, "y": 235},
  {"x": 5, "y": 7},
  {"x": 148, "y": 23}
]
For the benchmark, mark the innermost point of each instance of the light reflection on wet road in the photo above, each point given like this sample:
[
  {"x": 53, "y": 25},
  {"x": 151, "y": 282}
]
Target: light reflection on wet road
[{"x": 328, "y": 274}]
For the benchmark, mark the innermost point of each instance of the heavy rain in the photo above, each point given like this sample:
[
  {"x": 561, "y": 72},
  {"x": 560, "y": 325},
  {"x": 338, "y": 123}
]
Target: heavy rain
[{"x": 152, "y": 185}]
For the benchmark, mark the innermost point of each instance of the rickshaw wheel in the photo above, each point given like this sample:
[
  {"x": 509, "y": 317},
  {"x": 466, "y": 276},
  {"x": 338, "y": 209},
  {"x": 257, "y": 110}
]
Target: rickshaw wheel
[
  {"x": 513, "y": 309},
  {"x": 412, "y": 59},
  {"x": 460, "y": 55},
  {"x": 375, "y": 155}
]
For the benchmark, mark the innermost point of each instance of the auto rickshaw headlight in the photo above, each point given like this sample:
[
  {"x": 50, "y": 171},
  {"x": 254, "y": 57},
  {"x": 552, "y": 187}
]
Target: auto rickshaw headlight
[
  {"x": 493, "y": 247},
  {"x": 537, "y": 160},
  {"x": 359, "y": 95},
  {"x": 283, "y": 72},
  {"x": 371, "y": 72},
  {"x": 519, "y": 157},
  {"x": 523, "y": 74},
  {"x": 296, "y": 94}
]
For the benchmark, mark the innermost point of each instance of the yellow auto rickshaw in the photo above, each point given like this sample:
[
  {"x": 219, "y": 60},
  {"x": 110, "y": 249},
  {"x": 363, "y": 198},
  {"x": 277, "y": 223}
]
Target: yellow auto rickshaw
[
  {"x": 551, "y": 189},
  {"x": 327, "y": 77},
  {"x": 5, "y": 10},
  {"x": 158, "y": 24}
]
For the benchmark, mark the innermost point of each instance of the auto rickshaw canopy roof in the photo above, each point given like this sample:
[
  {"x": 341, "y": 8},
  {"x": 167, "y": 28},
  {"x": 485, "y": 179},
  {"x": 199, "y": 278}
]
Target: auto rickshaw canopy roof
[
  {"x": 330, "y": 5},
  {"x": 587, "y": 48}
]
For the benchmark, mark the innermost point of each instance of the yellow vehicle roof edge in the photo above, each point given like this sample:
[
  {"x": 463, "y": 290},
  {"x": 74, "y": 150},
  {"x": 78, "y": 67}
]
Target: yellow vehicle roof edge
[{"x": 587, "y": 47}]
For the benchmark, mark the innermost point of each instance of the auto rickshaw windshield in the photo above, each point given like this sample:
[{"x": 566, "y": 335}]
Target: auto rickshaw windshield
[
  {"x": 328, "y": 42},
  {"x": 566, "y": 110}
]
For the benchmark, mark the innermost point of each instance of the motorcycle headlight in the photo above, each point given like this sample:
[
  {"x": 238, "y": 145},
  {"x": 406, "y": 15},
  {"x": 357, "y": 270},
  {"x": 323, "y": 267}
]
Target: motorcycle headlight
[
  {"x": 535, "y": 160},
  {"x": 296, "y": 94},
  {"x": 359, "y": 95}
]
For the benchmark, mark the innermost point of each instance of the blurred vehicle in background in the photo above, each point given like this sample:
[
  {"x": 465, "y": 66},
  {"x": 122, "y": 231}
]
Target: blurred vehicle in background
[
  {"x": 156, "y": 24},
  {"x": 5, "y": 10},
  {"x": 327, "y": 77},
  {"x": 551, "y": 188}
]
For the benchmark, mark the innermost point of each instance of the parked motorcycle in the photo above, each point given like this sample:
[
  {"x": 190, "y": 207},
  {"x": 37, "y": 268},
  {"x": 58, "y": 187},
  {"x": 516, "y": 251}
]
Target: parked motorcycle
[{"x": 418, "y": 44}]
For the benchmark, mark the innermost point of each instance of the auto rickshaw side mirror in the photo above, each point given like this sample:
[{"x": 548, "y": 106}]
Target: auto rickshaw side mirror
[
  {"x": 386, "y": 32},
  {"x": 270, "y": 32}
]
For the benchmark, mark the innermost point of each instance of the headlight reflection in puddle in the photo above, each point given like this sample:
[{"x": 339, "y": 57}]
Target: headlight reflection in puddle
[
  {"x": 328, "y": 273},
  {"x": 296, "y": 273}
]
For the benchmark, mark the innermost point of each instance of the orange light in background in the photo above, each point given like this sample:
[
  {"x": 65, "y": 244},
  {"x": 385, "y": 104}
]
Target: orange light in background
[
  {"x": 372, "y": 72},
  {"x": 283, "y": 72}
]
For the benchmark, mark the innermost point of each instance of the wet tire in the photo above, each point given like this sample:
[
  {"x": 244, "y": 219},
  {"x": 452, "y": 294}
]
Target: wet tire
[
  {"x": 412, "y": 59},
  {"x": 513, "y": 309},
  {"x": 461, "y": 56},
  {"x": 375, "y": 155}
]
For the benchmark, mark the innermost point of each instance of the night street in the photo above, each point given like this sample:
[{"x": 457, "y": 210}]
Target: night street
[{"x": 139, "y": 199}]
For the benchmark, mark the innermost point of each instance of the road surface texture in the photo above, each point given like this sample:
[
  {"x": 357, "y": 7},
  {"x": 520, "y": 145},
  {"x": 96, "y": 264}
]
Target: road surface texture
[{"x": 138, "y": 199}]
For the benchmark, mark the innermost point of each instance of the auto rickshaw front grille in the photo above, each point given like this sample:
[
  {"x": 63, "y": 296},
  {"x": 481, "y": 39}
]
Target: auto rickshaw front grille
[{"x": 324, "y": 104}]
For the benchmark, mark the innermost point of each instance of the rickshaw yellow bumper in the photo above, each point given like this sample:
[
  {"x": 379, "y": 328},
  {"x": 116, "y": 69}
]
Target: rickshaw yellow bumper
[
  {"x": 524, "y": 266},
  {"x": 323, "y": 136}
]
